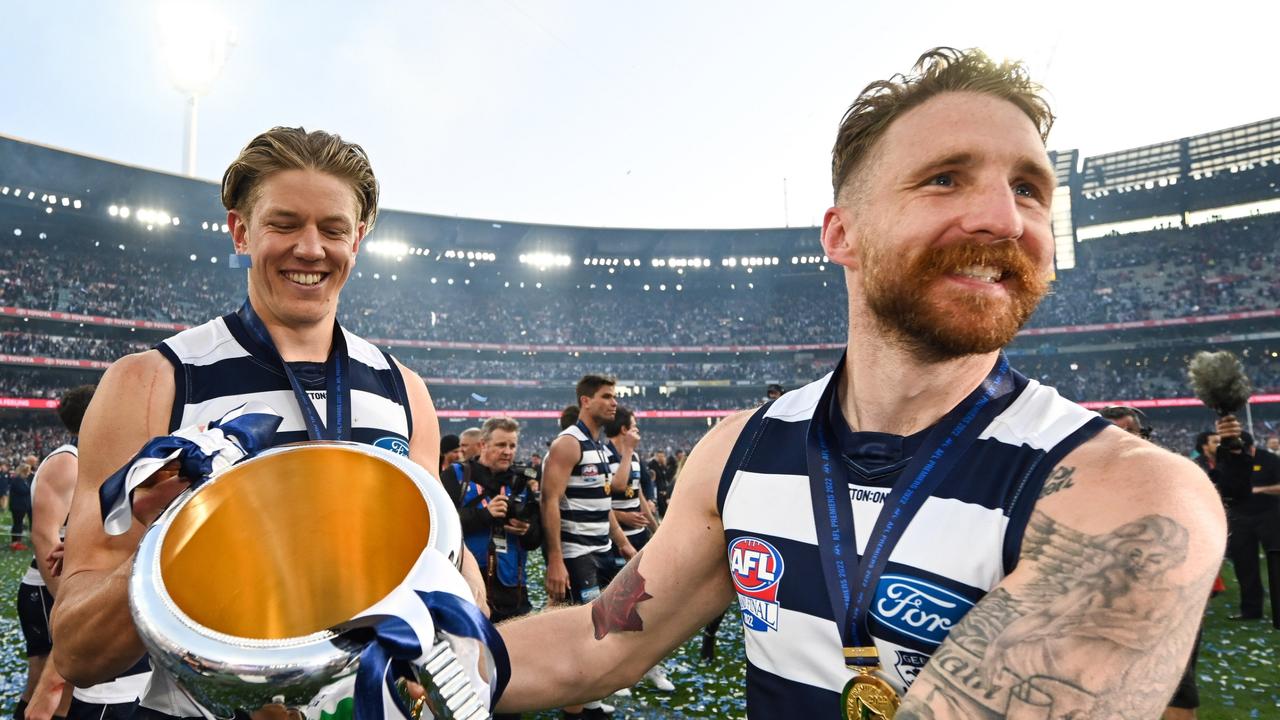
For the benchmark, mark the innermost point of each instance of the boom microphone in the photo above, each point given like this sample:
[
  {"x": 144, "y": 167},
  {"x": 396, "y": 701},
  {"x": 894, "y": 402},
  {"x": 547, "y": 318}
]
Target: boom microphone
[{"x": 1218, "y": 380}]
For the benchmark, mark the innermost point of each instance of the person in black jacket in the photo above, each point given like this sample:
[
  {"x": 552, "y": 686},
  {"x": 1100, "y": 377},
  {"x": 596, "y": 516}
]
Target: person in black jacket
[
  {"x": 1249, "y": 482},
  {"x": 499, "y": 514},
  {"x": 20, "y": 505}
]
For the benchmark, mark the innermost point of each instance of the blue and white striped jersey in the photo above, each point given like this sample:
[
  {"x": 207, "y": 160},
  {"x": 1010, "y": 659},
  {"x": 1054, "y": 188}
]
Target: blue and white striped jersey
[{"x": 964, "y": 540}]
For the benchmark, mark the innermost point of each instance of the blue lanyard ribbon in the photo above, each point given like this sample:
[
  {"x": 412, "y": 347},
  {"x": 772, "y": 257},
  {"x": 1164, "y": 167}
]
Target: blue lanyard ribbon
[
  {"x": 852, "y": 580},
  {"x": 337, "y": 371}
]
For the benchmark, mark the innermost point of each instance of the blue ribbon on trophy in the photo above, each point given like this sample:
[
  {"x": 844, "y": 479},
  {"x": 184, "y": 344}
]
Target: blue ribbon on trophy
[
  {"x": 434, "y": 600},
  {"x": 237, "y": 435}
]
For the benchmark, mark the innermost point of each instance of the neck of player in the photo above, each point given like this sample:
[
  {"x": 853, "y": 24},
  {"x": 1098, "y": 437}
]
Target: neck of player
[
  {"x": 591, "y": 424},
  {"x": 295, "y": 342},
  {"x": 885, "y": 388}
]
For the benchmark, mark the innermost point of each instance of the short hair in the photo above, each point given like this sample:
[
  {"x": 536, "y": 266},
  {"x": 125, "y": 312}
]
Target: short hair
[
  {"x": 72, "y": 406},
  {"x": 569, "y": 416},
  {"x": 470, "y": 434},
  {"x": 621, "y": 420},
  {"x": 287, "y": 148},
  {"x": 939, "y": 70},
  {"x": 589, "y": 385},
  {"x": 504, "y": 424}
]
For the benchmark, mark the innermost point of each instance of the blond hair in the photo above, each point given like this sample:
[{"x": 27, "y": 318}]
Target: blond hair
[
  {"x": 286, "y": 148},
  {"x": 939, "y": 70}
]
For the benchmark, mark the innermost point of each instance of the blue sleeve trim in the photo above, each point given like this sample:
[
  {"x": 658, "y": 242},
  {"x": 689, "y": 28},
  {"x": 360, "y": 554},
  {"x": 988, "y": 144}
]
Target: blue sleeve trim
[
  {"x": 741, "y": 453},
  {"x": 180, "y": 390},
  {"x": 1029, "y": 492}
]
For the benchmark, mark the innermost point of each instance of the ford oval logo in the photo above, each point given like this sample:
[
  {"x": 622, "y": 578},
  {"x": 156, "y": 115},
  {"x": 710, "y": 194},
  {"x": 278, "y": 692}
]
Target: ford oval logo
[
  {"x": 397, "y": 445},
  {"x": 918, "y": 608}
]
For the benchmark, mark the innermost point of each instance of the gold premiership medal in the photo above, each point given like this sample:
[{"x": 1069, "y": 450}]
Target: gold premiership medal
[{"x": 867, "y": 697}]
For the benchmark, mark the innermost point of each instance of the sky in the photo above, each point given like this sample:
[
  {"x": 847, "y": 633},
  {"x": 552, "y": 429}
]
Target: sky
[{"x": 663, "y": 113}]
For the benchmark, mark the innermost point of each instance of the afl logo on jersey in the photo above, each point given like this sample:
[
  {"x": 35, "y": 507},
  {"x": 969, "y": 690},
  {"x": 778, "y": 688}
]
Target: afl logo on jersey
[
  {"x": 397, "y": 445},
  {"x": 756, "y": 568}
]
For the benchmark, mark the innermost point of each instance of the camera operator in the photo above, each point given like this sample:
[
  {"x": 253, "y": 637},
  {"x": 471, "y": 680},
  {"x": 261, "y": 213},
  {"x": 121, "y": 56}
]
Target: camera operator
[
  {"x": 500, "y": 518},
  {"x": 1249, "y": 482},
  {"x": 661, "y": 473}
]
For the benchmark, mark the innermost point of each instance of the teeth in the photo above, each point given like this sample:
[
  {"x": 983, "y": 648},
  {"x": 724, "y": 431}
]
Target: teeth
[
  {"x": 984, "y": 273},
  {"x": 304, "y": 278}
]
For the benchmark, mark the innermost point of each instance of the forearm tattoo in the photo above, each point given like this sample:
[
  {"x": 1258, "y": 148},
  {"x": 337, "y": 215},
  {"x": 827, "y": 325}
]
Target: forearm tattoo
[
  {"x": 615, "y": 609},
  {"x": 1097, "y": 630}
]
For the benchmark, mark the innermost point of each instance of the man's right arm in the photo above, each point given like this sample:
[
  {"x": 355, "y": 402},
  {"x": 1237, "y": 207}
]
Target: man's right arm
[
  {"x": 677, "y": 584},
  {"x": 49, "y": 504},
  {"x": 564, "y": 454},
  {"x": 91, "y": 618}
]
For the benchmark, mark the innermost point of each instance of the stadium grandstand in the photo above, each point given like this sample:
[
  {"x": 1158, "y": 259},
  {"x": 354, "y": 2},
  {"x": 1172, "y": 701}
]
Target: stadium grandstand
[{"x": 1162, "y": 251}]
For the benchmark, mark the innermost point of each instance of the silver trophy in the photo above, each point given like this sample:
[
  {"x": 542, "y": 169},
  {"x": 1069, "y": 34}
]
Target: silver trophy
[{"x": 247, "y": 590}]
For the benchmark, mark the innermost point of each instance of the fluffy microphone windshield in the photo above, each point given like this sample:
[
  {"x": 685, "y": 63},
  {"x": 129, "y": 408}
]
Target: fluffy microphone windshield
[{"x": 1218, "y": 379}]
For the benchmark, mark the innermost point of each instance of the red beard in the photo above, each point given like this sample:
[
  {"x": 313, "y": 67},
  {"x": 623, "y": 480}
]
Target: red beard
[{"x": 898, "y": 292}]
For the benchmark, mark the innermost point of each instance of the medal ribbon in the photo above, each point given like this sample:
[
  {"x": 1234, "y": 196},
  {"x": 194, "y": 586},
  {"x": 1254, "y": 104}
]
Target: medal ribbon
[
  {"x": 851, "y": 581},
  {"x": 337, "y": 371}
]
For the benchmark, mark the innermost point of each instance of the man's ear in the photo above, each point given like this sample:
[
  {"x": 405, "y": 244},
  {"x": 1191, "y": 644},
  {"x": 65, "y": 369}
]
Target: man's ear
[
  {"x": 839, "y": 237},
  {"x": 361, "y": 229},
  {"x": 239, "y": 226}
]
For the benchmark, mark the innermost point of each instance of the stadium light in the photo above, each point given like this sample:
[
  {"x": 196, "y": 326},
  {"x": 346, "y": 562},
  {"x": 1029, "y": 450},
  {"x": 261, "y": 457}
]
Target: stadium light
[{"x": 194, "y": 40}]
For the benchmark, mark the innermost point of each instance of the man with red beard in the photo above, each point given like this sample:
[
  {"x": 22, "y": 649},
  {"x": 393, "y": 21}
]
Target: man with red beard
[{"x": 885, "y": 528}]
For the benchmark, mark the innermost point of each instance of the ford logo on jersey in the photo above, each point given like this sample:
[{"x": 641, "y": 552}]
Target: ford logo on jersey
[
  {"x": 918, "y": 608},
  {"x": 399, "y": 446},
  {"x": 756, "y": 568}
]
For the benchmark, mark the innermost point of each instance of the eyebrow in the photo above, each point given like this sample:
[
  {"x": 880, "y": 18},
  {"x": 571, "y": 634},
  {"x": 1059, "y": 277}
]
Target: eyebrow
[
  {"x": 282, "y": 213},
  {"x": 1038, "y": 172}
]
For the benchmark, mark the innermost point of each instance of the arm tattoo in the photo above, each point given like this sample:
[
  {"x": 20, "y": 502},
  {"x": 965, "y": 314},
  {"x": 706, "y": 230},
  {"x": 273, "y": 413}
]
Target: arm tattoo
[
  {"x": 1096, "y": 630},
  {"x": 1059, "y": 480},
  {"x": 615, "y": 609}
]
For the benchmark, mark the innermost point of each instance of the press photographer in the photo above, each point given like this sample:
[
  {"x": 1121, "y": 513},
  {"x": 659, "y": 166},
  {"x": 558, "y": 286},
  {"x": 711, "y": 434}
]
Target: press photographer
[{"x": 500, "y": 515}]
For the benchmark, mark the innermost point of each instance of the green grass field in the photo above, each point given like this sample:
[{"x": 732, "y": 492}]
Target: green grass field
[{"x": 1238, "y": 672}]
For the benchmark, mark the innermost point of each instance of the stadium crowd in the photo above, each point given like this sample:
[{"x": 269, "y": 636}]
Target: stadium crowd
[{"x": 1234, "y": 265}]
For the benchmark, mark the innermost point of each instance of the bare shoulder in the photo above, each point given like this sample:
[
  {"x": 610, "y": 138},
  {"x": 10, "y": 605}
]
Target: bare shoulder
[
  {"x": 1117, "y": 478},
  {"x": 412, "y": 380},
  {"x": 700, "y": 478},
  {"x": 135, "y": 396}
]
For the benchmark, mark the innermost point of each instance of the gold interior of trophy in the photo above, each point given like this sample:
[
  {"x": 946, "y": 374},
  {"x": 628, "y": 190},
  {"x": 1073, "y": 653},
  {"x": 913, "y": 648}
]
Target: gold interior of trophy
[{"x": 291, "y": 544}]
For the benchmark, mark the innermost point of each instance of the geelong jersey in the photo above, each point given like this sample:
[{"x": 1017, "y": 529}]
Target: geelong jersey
[
  {"x": 964, "y": 540},
  {"x": 33, "y": 573},
  {"x": 126, "y": 687},
  {"x": 584, "y": 507},
  {"x": 219, "y": 366},
  {"x": 627, "y": 500}
]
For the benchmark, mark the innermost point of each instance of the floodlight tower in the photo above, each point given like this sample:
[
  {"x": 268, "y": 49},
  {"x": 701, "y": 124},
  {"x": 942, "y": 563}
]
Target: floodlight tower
[{"x": 195, "y": 39}]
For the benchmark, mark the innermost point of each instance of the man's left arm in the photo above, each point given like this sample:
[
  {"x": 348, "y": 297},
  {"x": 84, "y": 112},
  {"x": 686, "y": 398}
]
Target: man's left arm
[
  {"x": 424, "y": 449},
  {"x": 1100, "y": 615}
]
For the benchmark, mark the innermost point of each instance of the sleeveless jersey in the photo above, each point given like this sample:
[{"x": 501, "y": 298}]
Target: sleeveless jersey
[
  {"x": 219, "y": 366},
  {"x": 126, "y": 687},
  {"x": 628, "y": 500},
  {"x": 33, "y": 573},
  {"x": 964, "y": 540},
  {"x": 584, "y": 507}
]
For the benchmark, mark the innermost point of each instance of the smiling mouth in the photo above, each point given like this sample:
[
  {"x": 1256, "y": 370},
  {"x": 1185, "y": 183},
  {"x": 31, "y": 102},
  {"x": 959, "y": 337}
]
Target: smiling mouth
[
  {"x": 306, "y": 279},
  {"x": 982, "y": 273}
]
